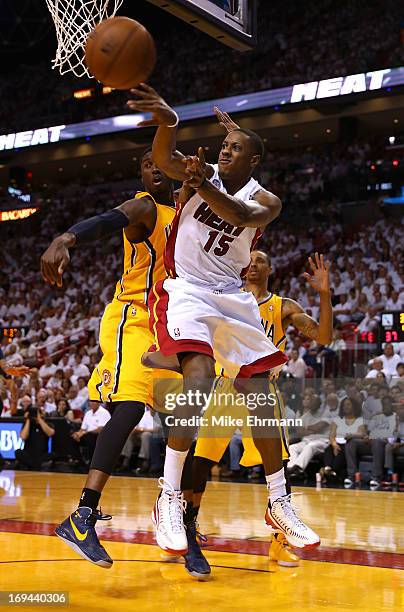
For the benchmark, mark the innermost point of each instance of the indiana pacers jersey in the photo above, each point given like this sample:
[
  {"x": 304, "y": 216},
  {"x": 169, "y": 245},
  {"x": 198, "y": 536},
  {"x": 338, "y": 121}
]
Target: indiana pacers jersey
[
  {"x": 144, "y": 262},
  {"x": 212, "y": 443},
  {"x": 124, "y": 329},
  {"x": 271, "y": 319}
]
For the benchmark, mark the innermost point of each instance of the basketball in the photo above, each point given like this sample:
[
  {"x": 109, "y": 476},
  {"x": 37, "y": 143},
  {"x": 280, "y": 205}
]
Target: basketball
[{"x": 120, "y": 53}]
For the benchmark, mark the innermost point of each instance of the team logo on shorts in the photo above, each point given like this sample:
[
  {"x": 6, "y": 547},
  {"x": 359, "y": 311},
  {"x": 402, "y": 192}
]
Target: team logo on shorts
[
  {"x": 106, "y": 377},
  {"x": 216, "y": 183},
  {"x": 133, "y": 311},
  {"x": 177, "y": 333}
]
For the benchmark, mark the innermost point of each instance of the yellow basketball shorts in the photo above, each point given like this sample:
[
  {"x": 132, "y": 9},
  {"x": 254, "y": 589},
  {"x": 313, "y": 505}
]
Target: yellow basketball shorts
[
  {"x": 124, "y": 337},
  {"x": 212, "y": 442}
]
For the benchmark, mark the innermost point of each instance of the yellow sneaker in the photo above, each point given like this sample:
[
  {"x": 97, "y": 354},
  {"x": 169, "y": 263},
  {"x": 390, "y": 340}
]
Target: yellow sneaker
[{"x": 281, "y": 552}]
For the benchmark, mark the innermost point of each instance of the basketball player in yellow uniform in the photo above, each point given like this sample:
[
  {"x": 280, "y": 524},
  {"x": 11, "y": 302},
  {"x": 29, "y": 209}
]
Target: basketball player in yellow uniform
[
  {"x": 276, "y": 315},
  {"x": 119, "y": 379}
]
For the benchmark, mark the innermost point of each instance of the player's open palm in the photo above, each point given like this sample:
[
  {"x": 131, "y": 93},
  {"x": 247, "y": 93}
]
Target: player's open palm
[
  {"x": 225, "y": 120},
  {"x": 149, "y": 101},
  {"x": 319, "y": 278},
  {"x": 17, "y": 370},
  {"x": 55, "y": 261}
]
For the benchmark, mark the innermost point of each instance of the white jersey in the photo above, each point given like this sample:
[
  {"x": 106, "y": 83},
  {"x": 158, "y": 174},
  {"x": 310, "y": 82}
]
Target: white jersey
[{"x": 205, "y": 250}]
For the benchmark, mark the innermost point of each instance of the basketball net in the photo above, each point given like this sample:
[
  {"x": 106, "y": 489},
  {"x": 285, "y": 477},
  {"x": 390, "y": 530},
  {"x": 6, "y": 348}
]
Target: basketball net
[{"x": 74, "y": 20}]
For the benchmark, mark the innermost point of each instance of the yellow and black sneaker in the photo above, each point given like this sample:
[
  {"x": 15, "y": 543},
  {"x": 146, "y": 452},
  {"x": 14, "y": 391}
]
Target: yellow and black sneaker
[{"x": 78, "y": 531}]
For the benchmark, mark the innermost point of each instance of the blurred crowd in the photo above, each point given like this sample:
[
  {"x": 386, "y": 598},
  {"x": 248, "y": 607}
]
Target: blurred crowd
[
  {"x": 57, "y": 329},
  {"x": 347, "y": 39}
]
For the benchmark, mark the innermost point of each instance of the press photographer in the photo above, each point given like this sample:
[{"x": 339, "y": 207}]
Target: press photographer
[{"x": 35, "y": 433}]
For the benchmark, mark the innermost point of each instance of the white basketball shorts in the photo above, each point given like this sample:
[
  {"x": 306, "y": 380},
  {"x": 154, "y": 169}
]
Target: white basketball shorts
[{"x": 223, "y": 324}]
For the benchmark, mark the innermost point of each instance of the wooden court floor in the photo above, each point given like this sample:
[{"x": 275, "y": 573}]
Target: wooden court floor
[{"x": 357, "y": 568}]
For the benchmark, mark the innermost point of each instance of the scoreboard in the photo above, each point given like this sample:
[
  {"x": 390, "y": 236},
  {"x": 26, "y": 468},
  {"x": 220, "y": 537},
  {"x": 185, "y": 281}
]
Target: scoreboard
[
  {"x": 392, "y": 327},
  {"x": 232, "y": 22}
]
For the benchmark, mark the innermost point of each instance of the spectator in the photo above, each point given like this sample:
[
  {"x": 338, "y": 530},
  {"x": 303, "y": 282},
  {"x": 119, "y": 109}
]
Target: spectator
[
  {"x": 94, "y": 421},
  {"x": 54, "y": 342},
  {"x": 331, "y": 406},
  {"x": 398, "y": 377},
  {"x": 43, "y": 403},
  {"x": 82, "y": 391},
  {"x": 348, "y": 423},
  {"x": 80, "y": 369},
  {"x": 76, "y": 401},
  {"x": 389, "y": 359},
  {"x": 48, "y": 369},
  {"x": 343, "y": 310},
  {"x": 314, "y": 435},
  {"x": 63, "y": 410},
  {"x": 24, "y": 405},
  {"x": 380, "y": 427},
  {"x": 13, "y": 357},
  {"x": 296, "y": 366},
  {"x": 55, "y": 381},
  {"x": 395, "y": 445},
  {"x": 372, "y": 404},
  {"x": 35, "y": 433},
  {"x": 377, "y": 366}
]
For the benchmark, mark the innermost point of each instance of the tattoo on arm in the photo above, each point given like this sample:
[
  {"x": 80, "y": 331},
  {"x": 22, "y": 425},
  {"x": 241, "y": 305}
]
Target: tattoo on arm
[{"x": 305, "y": 324}]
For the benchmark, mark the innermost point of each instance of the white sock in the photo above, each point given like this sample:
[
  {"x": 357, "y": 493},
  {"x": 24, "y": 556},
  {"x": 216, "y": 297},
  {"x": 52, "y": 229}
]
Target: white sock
[
  {"x": 173, "y": 466},
  {"x": 276, "y": 485}
]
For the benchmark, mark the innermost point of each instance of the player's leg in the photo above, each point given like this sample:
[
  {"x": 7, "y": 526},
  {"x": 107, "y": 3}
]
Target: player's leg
[
  {"x": 123, "y": 382},
  {"x": 208, "y": 452},
  {"x": 126, "y": 415},
  {"x": 280, "y": 550},
  {"x": 198, "y": 374},
  {"x": 266, "y": 434}
]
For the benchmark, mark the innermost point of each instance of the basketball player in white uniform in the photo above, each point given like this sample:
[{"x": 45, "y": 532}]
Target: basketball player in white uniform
[{"x": 199, "y": 314}]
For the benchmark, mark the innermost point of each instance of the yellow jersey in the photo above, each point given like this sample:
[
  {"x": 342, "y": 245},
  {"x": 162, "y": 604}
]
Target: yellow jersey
[
  {"x": 271, "y": 319},
  {"x": 144, "y": 261}
]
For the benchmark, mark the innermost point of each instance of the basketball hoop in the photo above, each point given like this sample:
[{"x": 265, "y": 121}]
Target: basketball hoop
[{"x": 74, "y": 20}]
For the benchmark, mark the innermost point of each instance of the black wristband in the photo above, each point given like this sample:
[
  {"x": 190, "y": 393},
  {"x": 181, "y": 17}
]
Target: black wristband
[{"x": 99, "y": 227}]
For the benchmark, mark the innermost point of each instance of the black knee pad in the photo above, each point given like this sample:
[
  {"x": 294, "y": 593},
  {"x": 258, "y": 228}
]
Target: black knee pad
[{"x": 111, "y": 440}]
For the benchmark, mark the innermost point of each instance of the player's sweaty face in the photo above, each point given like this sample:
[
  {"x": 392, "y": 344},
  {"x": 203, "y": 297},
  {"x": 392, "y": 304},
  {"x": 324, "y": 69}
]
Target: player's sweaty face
[
  {"x": 235, "y": 156},
  {"x": 259, "y": 269},
  {"x": 153, "y": 179}
]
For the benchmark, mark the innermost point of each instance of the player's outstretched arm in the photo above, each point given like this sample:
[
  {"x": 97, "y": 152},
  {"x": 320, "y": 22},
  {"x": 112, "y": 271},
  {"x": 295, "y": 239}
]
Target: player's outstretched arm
[
  {"x": 254, "y": 213},
  {"x": 165, "y": 155},
  {"x": 294, "y": 314},
  {"x": 137, "y": 217}
]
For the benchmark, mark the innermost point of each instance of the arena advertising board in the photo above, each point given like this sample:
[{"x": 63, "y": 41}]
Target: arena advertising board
[
  {"x": 10, "y": 440},
  {"x": 17, "y": 214},
  {"x": 270, "y": 98}
]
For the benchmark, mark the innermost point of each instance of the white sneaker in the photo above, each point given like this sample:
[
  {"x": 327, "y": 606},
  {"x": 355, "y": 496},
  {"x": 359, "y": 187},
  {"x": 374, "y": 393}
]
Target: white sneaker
[
  {"x": 168, "y": 518},
  {"x": 282, "y": 517},
  {"x": 348, "y": 483}
]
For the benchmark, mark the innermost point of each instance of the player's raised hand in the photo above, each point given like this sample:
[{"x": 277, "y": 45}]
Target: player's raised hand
[
  {"x": 56, "y": 259},
  {"x": 319, "y": 280},
  {"x": 225, "y": 120},
  {"x": 196, "y": 169},
  {"x": 17, "y": 370},
  {"x": 149, "y": 101}
]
